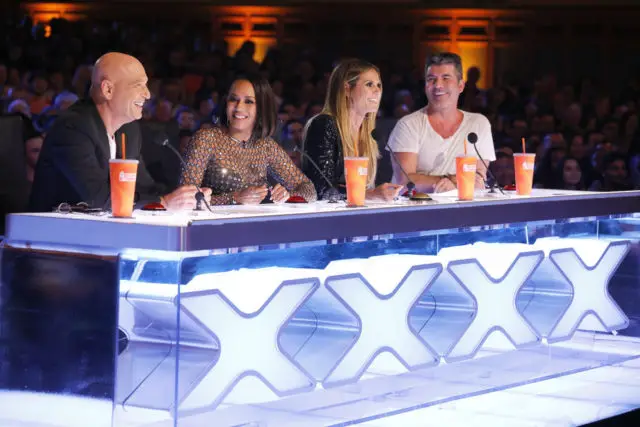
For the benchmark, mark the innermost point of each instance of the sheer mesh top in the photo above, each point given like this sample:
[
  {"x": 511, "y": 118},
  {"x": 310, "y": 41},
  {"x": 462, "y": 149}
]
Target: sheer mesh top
[{"x": 217, "y": 161}]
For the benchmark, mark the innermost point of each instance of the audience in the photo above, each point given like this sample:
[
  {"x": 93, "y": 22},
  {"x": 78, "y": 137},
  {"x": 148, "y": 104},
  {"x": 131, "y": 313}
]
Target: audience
[
  {"x": 577, "y": 127},
  {"x": 568, "y": 175}
]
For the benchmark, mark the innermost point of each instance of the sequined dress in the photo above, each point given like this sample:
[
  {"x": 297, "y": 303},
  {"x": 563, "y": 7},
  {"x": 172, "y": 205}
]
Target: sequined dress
[
  {"x": 323, "y": 144},
  {"x": 215, "y": 160}
]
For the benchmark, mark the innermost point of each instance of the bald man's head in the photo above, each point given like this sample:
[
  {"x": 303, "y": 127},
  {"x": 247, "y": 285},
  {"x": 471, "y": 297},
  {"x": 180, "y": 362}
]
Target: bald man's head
[{"x": 119, "y": 87}]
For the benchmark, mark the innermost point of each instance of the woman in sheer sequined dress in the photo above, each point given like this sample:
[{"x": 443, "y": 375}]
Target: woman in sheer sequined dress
[{"x": 240, "y": 161}]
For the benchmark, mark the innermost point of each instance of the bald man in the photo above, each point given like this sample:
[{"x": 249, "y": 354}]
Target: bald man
[{"x": 74, "y": 162}]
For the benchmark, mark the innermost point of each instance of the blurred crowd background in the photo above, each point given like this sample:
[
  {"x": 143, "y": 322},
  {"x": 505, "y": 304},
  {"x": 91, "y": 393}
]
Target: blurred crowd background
[{"x": 582, "y": 123}]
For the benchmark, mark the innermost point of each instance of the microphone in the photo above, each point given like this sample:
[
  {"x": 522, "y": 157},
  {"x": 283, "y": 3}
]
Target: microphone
[
  {"x": 163, "y": 141},
  {"x": 331, "y": 193},
  {"x": 472, "y": 137},
  {"x": 411, "y": 187}
]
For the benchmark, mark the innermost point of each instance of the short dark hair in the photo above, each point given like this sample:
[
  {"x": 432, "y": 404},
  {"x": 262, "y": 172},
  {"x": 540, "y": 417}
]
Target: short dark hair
[
  {"x": 611, "y": 158},
  {"x": 181, "y": 110},
  {"x": 292, "y": 121},
  {"x": 445, "y": 58},
  {"x": 266, "y": 114},
  {"x": 503, "y": 155}
]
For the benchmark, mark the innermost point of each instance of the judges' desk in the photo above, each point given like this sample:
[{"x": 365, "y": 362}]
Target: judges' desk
[{"x": 316, "y": 314}]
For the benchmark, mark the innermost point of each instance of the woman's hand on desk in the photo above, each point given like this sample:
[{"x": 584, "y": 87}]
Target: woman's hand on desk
[
  {"x": 446, "y": 183},
  {"x": 183, "y": 198},
  {"x": 279, "y": 194},
  {"x": 251, "y": 195},
  {"x": 387, "y": 192}
]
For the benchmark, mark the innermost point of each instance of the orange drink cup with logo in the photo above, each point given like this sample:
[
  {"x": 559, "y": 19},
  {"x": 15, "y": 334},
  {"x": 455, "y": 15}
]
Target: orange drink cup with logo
[
  {"x": 122, "y": 175},
  {"x": 466, "y": 176},
  {"x": 356, "y": 171},
  {"x": 524, "y": 164}
]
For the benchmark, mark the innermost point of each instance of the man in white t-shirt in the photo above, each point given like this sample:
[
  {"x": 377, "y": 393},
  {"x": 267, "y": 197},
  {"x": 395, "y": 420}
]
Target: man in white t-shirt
[{"x": 427, "y": 142}]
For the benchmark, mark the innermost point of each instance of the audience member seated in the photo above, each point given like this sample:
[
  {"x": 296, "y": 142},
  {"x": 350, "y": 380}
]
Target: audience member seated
[
  {"x": 32, "y": 148},
  {"x": 545, "y": 175},
  {"x": 292, "y": 133},
  {"x": 64, "y": 100},
  {"x": 240, "y": 161},
  {"x": 568, "y": 175},
  {"x": 41, "y": 98},
  {"x": 186, "y": 119},
  {"x": 615, "y": 176},
  {"x": 427, "y": 142},
  {"x": 162, "y": 164},
  {"x": 344, "y": 130},
  {"x": 503, "y": 169},
  {"x": 19, "y": 106}
]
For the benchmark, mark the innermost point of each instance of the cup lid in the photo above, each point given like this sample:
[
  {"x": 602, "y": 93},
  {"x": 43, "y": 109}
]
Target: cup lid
[{"x": 123, "y": 161}]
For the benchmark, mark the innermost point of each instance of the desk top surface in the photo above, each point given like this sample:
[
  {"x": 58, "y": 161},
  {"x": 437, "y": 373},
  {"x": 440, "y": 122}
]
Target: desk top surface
[{"x": 233, "y": 226}]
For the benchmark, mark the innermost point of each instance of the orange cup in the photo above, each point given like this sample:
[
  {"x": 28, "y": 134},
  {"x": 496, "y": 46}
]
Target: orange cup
[
  {"x": 466, "y": 176},
  {"x": 524, "y": 164},
  {"x": 123, "y": 186},
  {"x": 356, "y": 171}
]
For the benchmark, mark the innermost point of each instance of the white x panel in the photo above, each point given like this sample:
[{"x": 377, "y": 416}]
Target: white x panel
[
  {"x": 384, "y": 318},
  {"x": 248, "y": 342},
  {"x": 496, "y": 302},
  {"x": 590, "y": 279}
]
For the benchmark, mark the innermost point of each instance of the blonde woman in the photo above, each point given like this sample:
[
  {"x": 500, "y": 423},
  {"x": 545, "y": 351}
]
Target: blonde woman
[{"x": 343, "y": 129}]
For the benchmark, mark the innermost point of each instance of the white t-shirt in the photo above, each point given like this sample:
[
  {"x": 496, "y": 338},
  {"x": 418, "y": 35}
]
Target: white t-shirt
[
  {"x": 437, "y": 156},
  {"x": 112, "y": 146}
]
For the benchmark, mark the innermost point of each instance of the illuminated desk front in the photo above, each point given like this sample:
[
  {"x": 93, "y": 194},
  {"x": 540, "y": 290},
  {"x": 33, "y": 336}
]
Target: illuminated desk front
[{"x": 233, "y": 315}]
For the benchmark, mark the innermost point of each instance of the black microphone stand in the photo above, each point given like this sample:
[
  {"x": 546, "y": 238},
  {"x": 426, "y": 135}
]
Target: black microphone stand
[
  {"x": 411, "y": 186},
  {"x": 473, "y": 139},
  {"x": 200, "y": 199},
  {"x": 331, "y": 194}
]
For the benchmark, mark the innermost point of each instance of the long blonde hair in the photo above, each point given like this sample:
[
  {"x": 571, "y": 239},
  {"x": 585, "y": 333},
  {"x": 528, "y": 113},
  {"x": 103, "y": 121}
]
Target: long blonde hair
[{"x": 336, "y": 104}]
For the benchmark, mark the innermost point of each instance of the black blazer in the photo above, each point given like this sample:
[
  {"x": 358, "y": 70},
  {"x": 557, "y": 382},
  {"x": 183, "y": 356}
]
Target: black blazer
[
  {"x": 323, "y": 145},
  {"x": 73, "y": 165}
]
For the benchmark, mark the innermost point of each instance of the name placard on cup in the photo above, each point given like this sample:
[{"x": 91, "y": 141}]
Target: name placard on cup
[
  {"x": 356, "y": 171},
  {"x": 122, "y": 174}
]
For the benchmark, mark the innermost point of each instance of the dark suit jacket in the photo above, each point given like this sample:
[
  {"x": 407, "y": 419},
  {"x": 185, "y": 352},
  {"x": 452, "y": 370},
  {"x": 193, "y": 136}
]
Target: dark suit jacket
[{"x": 74, "y": 162}]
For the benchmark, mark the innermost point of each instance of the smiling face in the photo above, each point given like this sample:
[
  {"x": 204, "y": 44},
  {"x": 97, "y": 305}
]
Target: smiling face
[
  {"x": 443, "y": 87},
  {"x": 241, "y": 109},
  {"x": 364, "y": 96},
  {"x": 123, "y": 87},
  {"x": 131, "y": 93}
]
